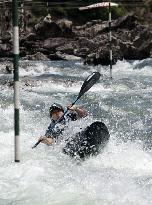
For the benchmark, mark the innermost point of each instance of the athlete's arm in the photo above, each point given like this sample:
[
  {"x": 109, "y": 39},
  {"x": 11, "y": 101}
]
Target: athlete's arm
[{"x": 80, "y": 111}]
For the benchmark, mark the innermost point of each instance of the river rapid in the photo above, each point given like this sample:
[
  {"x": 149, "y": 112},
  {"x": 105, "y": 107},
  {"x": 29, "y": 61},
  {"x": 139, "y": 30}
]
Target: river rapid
[{"x": 120, "y": 175}]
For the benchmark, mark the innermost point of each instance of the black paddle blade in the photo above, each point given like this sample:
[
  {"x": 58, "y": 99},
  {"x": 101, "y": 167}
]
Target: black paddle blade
[{"x": 89, "y": 82}]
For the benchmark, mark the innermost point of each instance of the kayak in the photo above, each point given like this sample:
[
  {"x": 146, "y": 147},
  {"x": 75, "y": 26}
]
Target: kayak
[{"x": 88, "y": 142}]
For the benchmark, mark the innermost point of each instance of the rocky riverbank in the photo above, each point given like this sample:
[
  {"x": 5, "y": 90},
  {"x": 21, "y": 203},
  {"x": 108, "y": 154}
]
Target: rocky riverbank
[{"x": 62, "y": 40}]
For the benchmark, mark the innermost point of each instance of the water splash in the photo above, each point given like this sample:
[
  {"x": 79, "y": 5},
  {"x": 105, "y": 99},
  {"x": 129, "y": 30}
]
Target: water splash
[{"x": 121, "y": 174}]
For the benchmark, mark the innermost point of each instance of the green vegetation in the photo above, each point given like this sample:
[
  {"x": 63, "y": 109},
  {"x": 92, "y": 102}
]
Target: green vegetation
[{"x": 69, "y": 9}]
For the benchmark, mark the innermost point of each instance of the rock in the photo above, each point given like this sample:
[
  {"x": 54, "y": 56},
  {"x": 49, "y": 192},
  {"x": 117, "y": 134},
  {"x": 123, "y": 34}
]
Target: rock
[
  {"x": 84, "y": 47},
  {"x": 90, "y": 29},
  {"x": 9, "y": 83},
  {"x": 35, "y": 57},
  {"x": 66, "y": 48},
  {"x": 55, "y": 56},
  {"x": 23, "y": 51},
  {"x": 129, "y": 21},
  {"x": 67, "y": 57},
  {"x": 82, "y": 52},
  {"x": 9, "y": 69},
  {"x": 66, "y": 27},
  {"x": 141, "y": 36},
  {"x": 99, "y": 28},
  {"x": 130, "y": 52},
  {"x": 101, "y": 57},
  {"x": 42, "y": 50},
  {"x": 7, "y": 37},
  {"x": 62, "y": 40},
  {"x": 53, "y": 43},
  {"x": 144, "y": 50},
  {"x": 29, "y": 44},
  {"x": 91, "y": 59},
  {"x": 151, "y": 53},
  {"x": 48, "y": 19},
  {"x": 94, "y": 28},
  {"x": 85, "y": 42},
  {"x": 29, "y": 37},
  {"x": 6, "y": 66},
  {"x": 5, "y": 50},
  {"x": 3, "y": 47},
  {"x": 46, "y": 30}
]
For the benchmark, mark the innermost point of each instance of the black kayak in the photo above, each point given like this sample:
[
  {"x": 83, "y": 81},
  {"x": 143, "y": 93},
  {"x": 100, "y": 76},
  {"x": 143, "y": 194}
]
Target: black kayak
[{"x": 88, "y": 142}]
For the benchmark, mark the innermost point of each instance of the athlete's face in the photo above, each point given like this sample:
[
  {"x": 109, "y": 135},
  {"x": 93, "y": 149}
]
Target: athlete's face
[{"x": 56, "y": 114}]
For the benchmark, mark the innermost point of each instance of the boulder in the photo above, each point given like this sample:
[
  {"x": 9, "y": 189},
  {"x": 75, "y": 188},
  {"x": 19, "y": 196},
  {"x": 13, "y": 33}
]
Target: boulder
[
  {"x": 55, "y": 56},
  {"x": 46, "y": 30},
  {"x": 64, "y": 56},
  {"x": 53, "y": 43},
  {"x": 6, "y": 50},
  {"x": 7, "y": 37},
  {"x": 66, "y": 27},
  {"x": 126, "y": 22},
  {"x": 82, "y": 52},
  {"x": 140, "y": 37},
  {"x": 102, "y": 56},
  {"x": 62, "y": 40},
  {"x": 35, "y": 57},
  {"x": 29, "y": 37},
  {"x": 130, "y": 52},
  {"x": 67, "y": 49}
]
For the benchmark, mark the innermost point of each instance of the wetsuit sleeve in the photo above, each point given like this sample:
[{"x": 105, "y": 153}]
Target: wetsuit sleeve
[
  {"x": 72, "y": 116},
  {"x": 48, "y": 132},
  {"x": 56, "y": 131}
]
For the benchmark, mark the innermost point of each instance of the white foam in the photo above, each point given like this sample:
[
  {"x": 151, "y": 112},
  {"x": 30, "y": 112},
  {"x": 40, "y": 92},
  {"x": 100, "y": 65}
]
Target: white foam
[{"x": 121, "y": 174}]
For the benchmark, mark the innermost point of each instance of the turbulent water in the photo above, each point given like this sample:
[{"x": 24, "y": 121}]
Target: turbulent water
[{"x": 120, "y": 175}]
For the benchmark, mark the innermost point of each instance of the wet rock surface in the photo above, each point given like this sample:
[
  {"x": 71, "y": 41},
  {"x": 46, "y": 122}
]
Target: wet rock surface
[{"x": 59, "y": 40}]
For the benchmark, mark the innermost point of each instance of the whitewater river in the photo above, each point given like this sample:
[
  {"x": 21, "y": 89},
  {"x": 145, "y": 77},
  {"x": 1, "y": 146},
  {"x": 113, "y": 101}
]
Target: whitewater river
[{"x": 120, "y": 175}]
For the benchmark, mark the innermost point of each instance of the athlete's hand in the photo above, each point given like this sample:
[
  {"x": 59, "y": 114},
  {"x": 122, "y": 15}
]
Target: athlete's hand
[
  {"x": 73, "y": 108},
  {"x": 46, "y": 140},
  {"x": 41, "y": 138}
]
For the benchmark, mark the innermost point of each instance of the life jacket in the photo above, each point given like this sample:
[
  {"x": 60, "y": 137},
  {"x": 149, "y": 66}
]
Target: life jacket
[{"x": 55, "y": 130}]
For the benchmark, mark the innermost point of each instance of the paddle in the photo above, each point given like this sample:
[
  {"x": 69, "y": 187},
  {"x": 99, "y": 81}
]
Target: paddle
[{"x": 88, "y": 83}]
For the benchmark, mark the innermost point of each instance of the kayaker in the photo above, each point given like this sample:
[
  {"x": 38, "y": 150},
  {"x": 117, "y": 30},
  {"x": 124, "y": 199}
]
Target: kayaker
[
  {"x": 56, "y": 111},
  {"x": 85, "y": 143}
]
